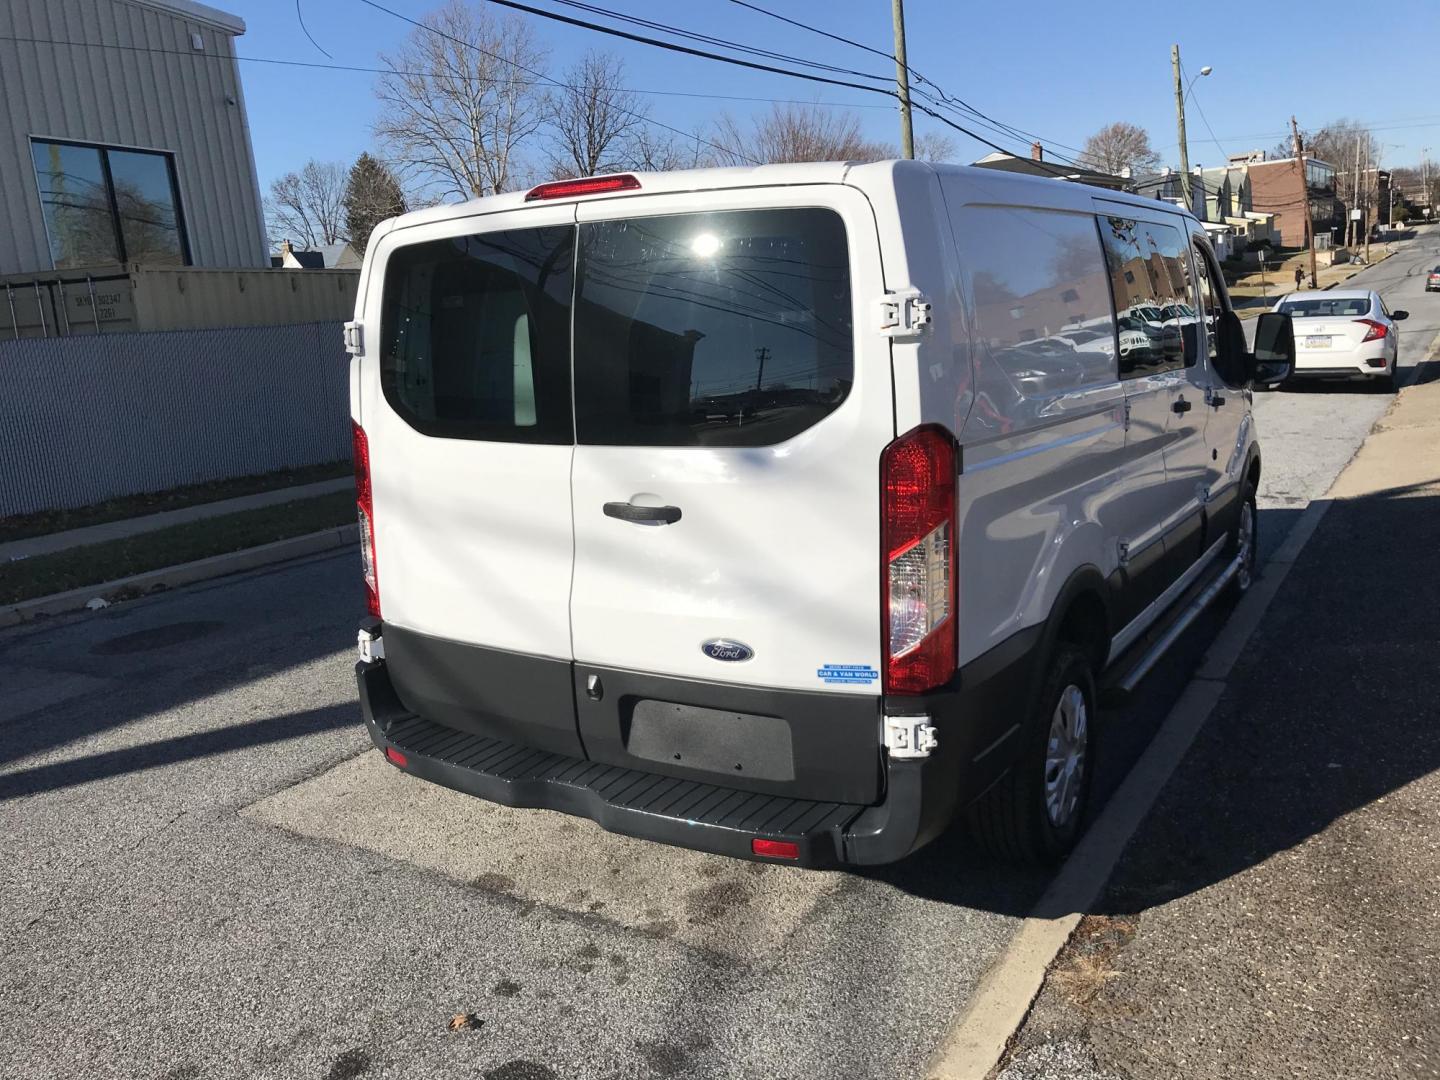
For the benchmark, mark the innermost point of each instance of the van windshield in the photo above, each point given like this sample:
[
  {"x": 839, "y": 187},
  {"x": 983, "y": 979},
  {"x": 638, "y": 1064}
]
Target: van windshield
[{"x": 723, "y": 329}]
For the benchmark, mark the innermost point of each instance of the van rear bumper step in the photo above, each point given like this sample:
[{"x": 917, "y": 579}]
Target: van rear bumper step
[{"x": 686, "y": 813}]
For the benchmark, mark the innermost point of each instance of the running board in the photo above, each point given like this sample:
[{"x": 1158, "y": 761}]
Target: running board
[{"x": 1126, "y": 683}]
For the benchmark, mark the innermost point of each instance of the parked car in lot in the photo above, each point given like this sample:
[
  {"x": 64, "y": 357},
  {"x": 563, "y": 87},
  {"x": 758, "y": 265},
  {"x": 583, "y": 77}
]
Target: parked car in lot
[
  {"x": 1344, "y": 334},
  {"x": 1432, "y": 280},
  {"x": 758, "y": 510}
]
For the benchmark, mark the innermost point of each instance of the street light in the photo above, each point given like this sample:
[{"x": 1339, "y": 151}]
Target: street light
[{"x": 1191, "y": 84}]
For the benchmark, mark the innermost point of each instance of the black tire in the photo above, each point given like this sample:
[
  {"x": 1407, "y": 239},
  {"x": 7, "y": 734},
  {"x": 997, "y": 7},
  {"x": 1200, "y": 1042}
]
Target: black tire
[
  {"x": 1011, "y": 820},
  {"x": 1242, "y": 581}
]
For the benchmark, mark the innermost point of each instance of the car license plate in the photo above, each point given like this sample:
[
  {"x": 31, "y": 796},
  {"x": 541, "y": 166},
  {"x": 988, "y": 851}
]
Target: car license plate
[{"x": 1317, "y": 343}]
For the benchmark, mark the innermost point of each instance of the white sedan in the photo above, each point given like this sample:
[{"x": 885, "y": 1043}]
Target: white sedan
[{"x": 1344, "y": 333}]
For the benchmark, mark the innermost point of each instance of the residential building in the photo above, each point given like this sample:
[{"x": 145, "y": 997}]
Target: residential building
[
  {"x": 1167, "y": 186},
  {"x": 1277, "y": 187},
  {"x": 1036, "y": 165},
  {"x": 124, "y": 138},
  {"x": 341, "y": 256}
]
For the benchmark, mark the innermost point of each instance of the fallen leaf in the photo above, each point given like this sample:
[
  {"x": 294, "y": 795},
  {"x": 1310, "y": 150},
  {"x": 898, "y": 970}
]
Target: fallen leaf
[{"x": 461, "y": 1021}]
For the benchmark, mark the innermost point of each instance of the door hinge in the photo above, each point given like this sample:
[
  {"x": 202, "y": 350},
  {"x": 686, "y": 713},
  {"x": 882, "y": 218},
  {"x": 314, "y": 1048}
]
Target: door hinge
[
  {"x": 1124, "y": 552},
  {"x": 354, "y": 338},
  {"x": 1127, "y": 414},
  {"x": 902, "y": 314},
  {"x": 910, "y": 736}
]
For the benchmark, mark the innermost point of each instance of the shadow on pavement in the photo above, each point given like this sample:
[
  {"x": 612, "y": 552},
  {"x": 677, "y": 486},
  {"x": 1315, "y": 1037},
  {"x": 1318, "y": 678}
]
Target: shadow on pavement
[
  {"x": 1335, "y": 704},
  {"x": 161, "y": 652},
  {"x": 162, "y": 752}
]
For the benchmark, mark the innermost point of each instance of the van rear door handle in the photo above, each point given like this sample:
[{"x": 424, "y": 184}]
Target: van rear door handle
[
  {"x": 1181, "y": 406},
  {"x": 643, "y": 515}
]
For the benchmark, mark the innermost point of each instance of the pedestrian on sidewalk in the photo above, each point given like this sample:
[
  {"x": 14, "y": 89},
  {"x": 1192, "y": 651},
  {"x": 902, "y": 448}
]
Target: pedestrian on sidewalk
[{"x": 1299, "y": 279}]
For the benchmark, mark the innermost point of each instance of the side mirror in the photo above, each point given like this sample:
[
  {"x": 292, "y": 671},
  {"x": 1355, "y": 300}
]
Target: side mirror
[
  {"x": 1399, "y": 316},
  {"x": 1273, "y": 360}
]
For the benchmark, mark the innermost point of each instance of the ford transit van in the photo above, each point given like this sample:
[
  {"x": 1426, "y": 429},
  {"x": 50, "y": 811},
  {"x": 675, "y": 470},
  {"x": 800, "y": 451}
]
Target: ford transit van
[{"x": 792, "y": 512}]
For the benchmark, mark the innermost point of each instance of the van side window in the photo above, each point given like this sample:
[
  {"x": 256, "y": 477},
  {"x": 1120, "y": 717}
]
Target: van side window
[
  {"x": 719, "y": 329},
  {"x": 475, "y": 335},
  {"x": 1212, "y": 305},
  {"x": 1155, "y": 301},
  {"x": 1043, "y": 321}
]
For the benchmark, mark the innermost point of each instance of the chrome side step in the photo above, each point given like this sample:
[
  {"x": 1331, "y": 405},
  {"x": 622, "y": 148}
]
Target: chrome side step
[{"x": 1181, "y": 623}]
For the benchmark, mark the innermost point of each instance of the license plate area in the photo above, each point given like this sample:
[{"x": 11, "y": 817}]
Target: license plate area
[
  {"x": 1317, "y": 343},
  {"x": 715, "y": 740},
  {"x": 799, "y": 744}
]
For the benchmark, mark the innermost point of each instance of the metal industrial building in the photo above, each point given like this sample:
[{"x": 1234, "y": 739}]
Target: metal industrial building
[{"x": 123, "y": 138}]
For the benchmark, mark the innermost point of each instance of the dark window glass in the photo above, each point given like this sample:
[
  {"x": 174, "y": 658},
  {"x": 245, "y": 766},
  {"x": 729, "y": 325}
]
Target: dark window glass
[
  {"x": 1042, "y": 321},
  {"x": 1155, "y": 300},
  {"x": 108, "y": 206},
  {"x": 76, "y": 203},
  {"x": 1226, "y": 363},
  {"x": 148, "y": 209},
  {"x": 724, "y": 329},
  {"x": 475, "y": 335}
]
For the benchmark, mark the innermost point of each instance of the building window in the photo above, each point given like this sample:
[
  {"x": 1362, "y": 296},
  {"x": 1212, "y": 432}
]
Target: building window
[{"x": 105, "y": 205}]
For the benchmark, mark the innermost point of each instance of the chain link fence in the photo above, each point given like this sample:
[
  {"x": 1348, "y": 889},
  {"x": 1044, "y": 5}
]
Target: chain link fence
[{"x": 85, "y": 419}]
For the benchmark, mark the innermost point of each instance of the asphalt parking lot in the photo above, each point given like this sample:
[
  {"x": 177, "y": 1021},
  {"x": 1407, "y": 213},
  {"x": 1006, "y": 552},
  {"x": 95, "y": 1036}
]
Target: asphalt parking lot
[{"x": 208, "y": 873}]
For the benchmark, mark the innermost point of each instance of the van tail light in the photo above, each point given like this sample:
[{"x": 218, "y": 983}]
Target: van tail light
[
  {"x": 917, "y": 507},
  {"x": 365, "y": 510},
  {"x": 1376, "y": 332}
]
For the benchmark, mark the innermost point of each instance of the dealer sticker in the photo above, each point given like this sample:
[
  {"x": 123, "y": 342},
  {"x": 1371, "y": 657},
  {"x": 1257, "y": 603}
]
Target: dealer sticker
[{"x": 848, "y": 673}]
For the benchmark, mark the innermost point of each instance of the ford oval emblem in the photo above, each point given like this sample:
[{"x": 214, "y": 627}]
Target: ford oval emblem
[{"x": 725, "y": 649}]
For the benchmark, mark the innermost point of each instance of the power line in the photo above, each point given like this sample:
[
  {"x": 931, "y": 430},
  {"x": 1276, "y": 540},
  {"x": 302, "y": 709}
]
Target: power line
[
  {"x": 735, "y": 61},
  {"x": 300, "y": 18},
  {"x": 651, "y": 24},
  {"x": 360, "y": 69},
  {"x": 945, "y": 99}
]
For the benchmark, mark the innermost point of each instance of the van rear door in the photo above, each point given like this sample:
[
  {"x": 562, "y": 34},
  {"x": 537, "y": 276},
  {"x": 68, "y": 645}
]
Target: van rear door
[
  {"x": 732, "y": 403},
  {"x": 471, "y": 436}
]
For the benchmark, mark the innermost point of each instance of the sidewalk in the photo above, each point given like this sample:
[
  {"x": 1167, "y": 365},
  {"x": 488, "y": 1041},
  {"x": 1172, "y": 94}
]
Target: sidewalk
[{"x": 1277, "y": 913}]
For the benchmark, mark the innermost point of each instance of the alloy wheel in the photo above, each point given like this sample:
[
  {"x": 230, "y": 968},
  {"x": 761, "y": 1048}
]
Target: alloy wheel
[{"x": 1065, "y": 755}]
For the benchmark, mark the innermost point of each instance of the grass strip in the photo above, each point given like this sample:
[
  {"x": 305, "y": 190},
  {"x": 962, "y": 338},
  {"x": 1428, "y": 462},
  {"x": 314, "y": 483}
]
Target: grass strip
[
  {"x": 25, "y": 579},
  {"x": 45, "y": 522}
]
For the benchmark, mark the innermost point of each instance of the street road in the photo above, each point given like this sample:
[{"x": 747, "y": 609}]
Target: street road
[{"x": 206, "y": 874}]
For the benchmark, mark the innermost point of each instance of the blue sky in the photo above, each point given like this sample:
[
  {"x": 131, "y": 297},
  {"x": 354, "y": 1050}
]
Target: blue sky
[{"x": 1058, "y": 69}]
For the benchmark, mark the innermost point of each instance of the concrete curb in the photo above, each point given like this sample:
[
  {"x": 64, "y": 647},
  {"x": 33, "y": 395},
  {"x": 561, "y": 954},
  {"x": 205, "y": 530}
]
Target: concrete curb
[
  {"x": 170, "y": 577},
  {"x": 977, "y": 1041}
]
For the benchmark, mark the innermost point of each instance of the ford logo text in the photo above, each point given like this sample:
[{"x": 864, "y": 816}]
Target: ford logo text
[{"x": 725, "y": 649}]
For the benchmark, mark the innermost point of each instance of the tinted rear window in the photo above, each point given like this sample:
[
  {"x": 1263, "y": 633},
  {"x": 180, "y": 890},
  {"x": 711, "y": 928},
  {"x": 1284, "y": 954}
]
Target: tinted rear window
[
  {"x": 1318, "y": 308},
  {"x": 475, "y": 335},
  {"x": 724, "y": 329}
]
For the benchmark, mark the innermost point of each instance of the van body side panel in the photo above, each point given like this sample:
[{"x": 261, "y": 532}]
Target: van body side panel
[{"x": 1045, "y": 485}]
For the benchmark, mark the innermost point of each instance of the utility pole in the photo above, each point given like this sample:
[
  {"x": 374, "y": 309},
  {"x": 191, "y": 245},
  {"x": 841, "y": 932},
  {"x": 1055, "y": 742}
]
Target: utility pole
[
  {"x": 1180, "y": 123},
  {"x": 1365, "y": 221},
  {"x": 902, "y": 81},
  {"x": 1304, "y": 196},
  {"x": 1351, "y": 235}
]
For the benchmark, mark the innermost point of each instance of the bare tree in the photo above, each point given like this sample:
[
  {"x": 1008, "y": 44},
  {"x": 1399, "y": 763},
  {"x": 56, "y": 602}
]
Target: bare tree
[
  {"x": 935, "y": 147},
  {"x": 372, "y": 194},
  {"x": 795, "y": 133},
  {"x": 592, "y": 118},
  {"x": 308, "y": 207},
  {"x": 1117, "y": 146},
  {"x": 653, "y": 149},
  {"x": 462, "y": 99}
]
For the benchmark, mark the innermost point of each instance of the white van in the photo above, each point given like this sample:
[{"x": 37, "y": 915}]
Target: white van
[{"x": 773, "y": 512}]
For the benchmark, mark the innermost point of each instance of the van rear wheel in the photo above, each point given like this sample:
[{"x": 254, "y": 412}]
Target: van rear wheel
[{"x": 1033, "y": 814}]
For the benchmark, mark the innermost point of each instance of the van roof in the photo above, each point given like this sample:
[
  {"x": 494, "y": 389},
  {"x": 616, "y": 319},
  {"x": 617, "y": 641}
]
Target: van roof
[{"x": 1044, "y": 191}]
